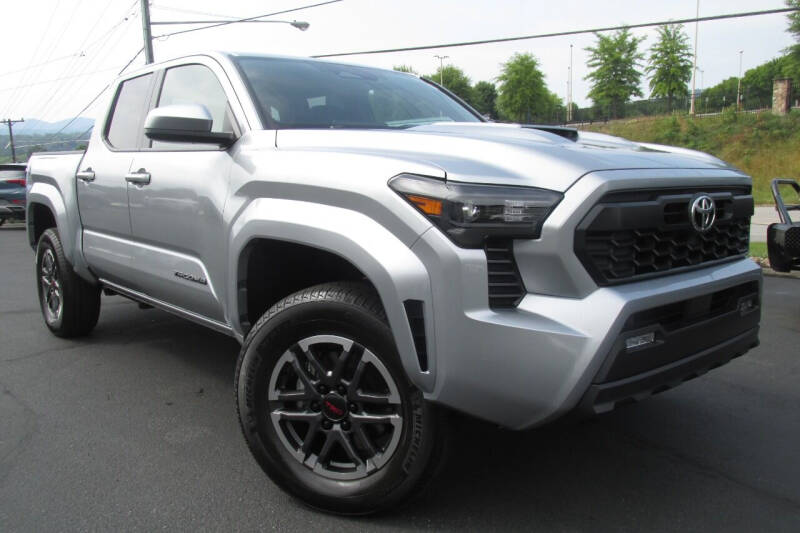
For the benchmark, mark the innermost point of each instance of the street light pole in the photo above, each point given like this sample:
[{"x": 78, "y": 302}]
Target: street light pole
[
  {"x": 441, "y": 68},
  {"x": 146, "y": 33},
  {"x": 694, "y": 70},
  {"x": 148, "y": 36},
  {"x": 569, "y": 88},
  {"x": 739, "y": 86}
]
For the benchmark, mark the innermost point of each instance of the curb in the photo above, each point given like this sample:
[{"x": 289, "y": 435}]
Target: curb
[{"x": 767, "y": 271}]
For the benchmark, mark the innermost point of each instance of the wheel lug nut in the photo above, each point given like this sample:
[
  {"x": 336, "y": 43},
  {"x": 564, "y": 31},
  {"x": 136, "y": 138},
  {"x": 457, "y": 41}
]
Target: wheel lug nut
[
  {"x": 346, "y": 425},
  {"x": 342, "y": 390},
  {"x": 353, "y": 407},
  {"x": 322, "y": 389},
  {"x": 326, "y": 424},
  {"x": 315, "y": 406}
]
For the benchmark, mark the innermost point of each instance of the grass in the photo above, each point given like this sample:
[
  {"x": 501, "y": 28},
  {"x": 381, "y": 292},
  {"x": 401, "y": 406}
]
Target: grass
[
  {"x": 765, "y": 146},
  {"x": 758, "y": 249}
]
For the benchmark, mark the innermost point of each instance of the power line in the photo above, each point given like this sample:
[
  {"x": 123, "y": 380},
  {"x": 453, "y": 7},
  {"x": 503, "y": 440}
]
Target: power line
[
  {"x": 192, "y": 11},
  {"x": 93, "y": 100},
  {"x": 27, "y": 72},
  {"x": 53, "y": 80},
  {"x": 563, "y": 33},
  {"x": 164, "y": 35},
  {"x": 65, "y": 141},
  {"x": 80, "y": 66},
  {"x": 48, "y": 62}
]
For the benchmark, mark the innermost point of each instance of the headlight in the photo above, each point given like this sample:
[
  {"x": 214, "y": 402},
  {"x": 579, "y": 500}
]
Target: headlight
[{"x": 470, "y": 213}]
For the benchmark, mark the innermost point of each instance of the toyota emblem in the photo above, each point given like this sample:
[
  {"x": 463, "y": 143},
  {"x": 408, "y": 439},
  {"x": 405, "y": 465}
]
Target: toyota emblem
[{"x": 702, "y": 213}]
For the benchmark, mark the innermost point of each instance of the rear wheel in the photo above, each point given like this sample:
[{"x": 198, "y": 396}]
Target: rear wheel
[
  {"x": 326, "y": 407},
  {"x": 70, "y": 305}
]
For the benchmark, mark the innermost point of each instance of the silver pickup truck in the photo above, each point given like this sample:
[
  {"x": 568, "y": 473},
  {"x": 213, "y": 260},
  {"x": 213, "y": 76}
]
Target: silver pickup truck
[{"x": 383, "y": 253}]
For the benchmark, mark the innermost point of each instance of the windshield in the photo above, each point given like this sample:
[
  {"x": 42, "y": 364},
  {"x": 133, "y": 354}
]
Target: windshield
[{"x": 299, "y": 93}]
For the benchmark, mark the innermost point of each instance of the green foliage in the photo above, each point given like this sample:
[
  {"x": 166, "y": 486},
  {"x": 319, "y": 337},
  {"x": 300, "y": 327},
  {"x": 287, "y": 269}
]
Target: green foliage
[
  {"x": 672, "y": 131},
  {"x": 523, "y": 94},
  {"x": 405, "y": 68},
  {"x": 615, "y": 77},
  {"x": 756, "y": 84},
  {"x": 455, "y": 80},
  {"x": 721, "y": 94},
  {"x": 670, "y": 63},
  {"x": 762, "y": 145},
  {"x": 485, "y": 98},
  {"x": 792, "y": 67},
  {"x": 758, "y": 249}
]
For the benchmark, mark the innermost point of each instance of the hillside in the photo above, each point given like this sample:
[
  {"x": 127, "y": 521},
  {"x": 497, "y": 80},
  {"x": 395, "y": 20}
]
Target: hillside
[{"x": 765, "y": 146}]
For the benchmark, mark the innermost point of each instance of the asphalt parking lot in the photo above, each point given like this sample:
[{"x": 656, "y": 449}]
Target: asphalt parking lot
[{"x": 134, "y": 428}]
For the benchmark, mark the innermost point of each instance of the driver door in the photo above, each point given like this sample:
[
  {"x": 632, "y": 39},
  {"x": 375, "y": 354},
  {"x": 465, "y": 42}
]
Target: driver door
[{"x": 176, "y": 194}]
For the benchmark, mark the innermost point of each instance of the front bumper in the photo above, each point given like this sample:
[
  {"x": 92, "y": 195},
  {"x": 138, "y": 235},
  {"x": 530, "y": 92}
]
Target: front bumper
[
  {"x": 525, "y": 366},
  {"x": 605, "y": 396}
]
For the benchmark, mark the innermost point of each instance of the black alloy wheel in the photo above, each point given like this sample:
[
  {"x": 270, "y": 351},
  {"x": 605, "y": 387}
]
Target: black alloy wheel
[{"x": 326, "y": 407}]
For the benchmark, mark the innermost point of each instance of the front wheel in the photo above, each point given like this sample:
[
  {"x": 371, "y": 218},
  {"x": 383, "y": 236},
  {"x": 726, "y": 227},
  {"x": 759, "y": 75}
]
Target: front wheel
[
  {"x": 326, "y": 407},
  {"x": 70, "y": 305}
]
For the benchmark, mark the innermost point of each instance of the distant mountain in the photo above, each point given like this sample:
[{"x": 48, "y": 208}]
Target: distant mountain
[{"x": 37, "y": 127}]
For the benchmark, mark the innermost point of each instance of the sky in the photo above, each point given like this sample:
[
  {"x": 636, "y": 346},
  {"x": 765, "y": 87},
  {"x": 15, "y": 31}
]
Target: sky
[{"x": 84, "y": 43}]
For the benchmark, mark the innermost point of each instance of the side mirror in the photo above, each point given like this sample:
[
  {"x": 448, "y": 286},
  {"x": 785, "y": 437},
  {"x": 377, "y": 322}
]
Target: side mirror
[{"x": 189, "y": 123}]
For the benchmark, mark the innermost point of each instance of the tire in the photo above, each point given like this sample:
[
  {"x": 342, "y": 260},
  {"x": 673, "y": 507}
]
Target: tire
[
  {"x": 286, "y": 390},
  {"x": 70, "y": 305}
]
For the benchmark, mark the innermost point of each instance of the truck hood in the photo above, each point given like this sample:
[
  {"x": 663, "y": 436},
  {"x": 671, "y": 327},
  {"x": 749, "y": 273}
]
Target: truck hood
[{"x": 508, "y": 154}]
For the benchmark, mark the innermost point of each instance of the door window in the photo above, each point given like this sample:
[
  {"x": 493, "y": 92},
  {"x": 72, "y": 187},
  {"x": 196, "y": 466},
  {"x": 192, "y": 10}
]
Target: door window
[
  {"x": 196, "y": 84},
  {"x": 127, "y": 118}
]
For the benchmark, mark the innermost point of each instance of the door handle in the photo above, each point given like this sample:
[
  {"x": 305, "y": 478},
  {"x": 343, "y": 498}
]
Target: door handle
[
  {"x": 86, "y": 175},
  {"x": 140, "y": 177}
]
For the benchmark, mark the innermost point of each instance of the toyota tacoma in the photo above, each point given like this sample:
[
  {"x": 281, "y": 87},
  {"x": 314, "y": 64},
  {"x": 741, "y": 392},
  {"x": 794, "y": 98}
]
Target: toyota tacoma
[{"x": 384, "y": 254}]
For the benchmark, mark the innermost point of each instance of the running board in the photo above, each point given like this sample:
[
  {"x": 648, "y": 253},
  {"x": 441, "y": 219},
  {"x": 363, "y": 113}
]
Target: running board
[{"x": 169, "y": 308}]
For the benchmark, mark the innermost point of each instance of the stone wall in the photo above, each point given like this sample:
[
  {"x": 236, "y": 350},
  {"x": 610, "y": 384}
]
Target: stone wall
[{"x": 781, "y": 96}]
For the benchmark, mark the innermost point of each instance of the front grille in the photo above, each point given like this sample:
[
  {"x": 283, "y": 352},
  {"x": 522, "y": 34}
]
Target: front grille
[
  {"x": 682, "y": 329},
  {"x": 627, "y": 238},
  {"x": 685, "y": 313},
  {"x": 505, "y": 283}
]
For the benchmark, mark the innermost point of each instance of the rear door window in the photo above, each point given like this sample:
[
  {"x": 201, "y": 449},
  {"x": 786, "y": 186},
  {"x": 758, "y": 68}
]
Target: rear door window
[{"x": 127, "y": 118}]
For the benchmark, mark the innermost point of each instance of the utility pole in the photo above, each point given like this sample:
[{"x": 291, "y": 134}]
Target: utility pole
[
  {"x": 694, "y": 67},
  {"x": 441, "y": 68},
  {"x": 739, "y": 86},
  {"x": 148, "y": 36},
  {"x": 8, "y": 122}
]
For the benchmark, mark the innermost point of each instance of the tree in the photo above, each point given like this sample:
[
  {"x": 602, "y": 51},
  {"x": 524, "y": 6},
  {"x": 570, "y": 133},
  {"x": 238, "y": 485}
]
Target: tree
[
  {"x": 615, "y": 78},
  {"x": 756, "y": 85},
  {"x": 454, "y": 79},
  {"x": 523, "y": 95},
  {"x": 670, "y": 64},
  {"x": 484, "y": 97},
  {"x": 405, "y": 68},
  {"x": 792, "y": 67}
]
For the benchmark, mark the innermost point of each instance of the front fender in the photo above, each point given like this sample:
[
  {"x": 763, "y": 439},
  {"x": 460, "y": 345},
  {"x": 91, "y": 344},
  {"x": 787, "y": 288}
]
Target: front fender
[{"x": 394, "y": 270}]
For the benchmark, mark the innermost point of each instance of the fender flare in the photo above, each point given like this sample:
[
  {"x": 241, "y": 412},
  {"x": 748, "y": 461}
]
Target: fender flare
[
  {"x": 67, "y": 223},
  {"x": 390, "y": 265}
]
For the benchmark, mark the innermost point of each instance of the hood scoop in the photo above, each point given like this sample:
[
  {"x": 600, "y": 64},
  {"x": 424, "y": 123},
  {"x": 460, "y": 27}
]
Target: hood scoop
[{"x": 567, "y": 133}]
